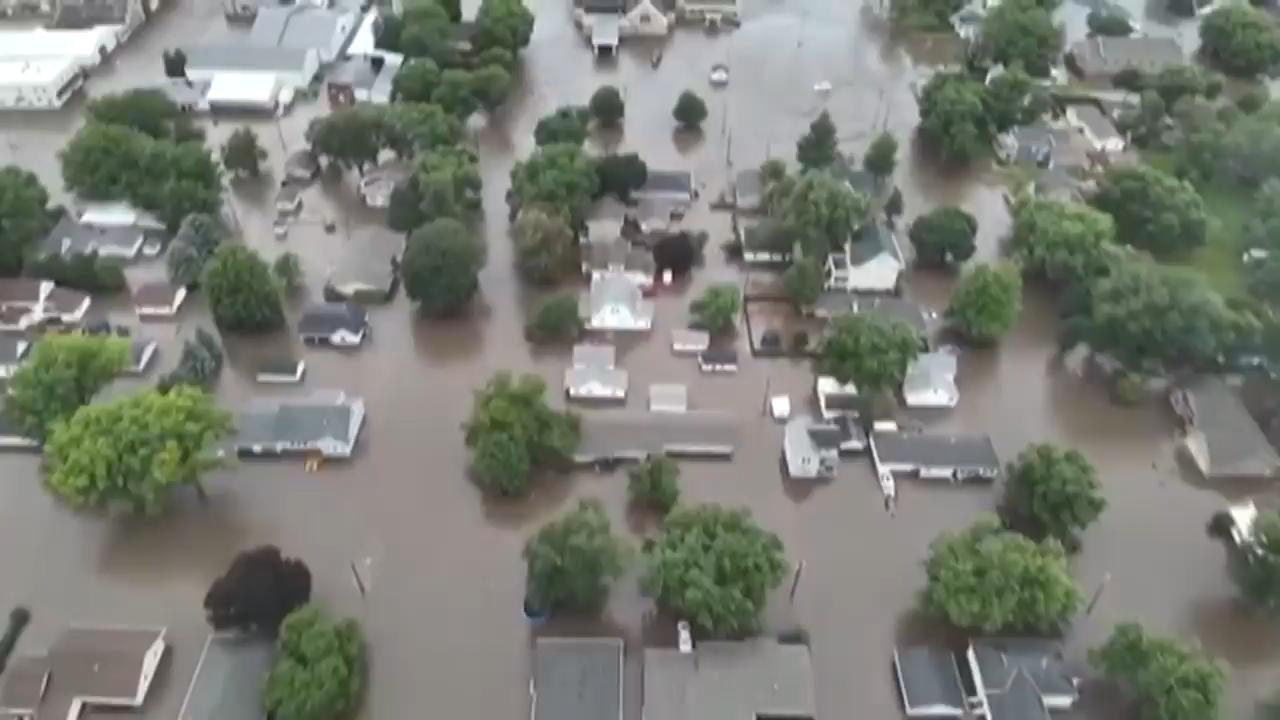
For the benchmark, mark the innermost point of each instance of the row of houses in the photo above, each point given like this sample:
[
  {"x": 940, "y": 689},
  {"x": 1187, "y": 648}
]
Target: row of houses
[{"x": 606, "y": 22}]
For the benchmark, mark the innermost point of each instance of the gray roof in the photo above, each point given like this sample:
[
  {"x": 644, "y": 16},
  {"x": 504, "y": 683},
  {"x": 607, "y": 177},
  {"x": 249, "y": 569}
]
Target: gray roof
[
  {"x": 299, "y": 420},
  {"x": 929, "y": 678},
  {"x": 668, "y": 181},
  {"x": 618, "y": 254},
  {"x": 81, "y": 14},
  {"x": 229, "y": 679},
  {"x": 603, "y": 6},
  {"x": 301, "y": 26},
  {"x": 729, "y": 681},
  {"x": 242, "y": 56},
  {"x": 884, "y": 307},
  {"x": 669, "y": 397},
  {"x": 324, "y": 319},
  {"x": 768, "y": 235},
  {"x": 583, "y": 379},
  {"x": 1225, "y": 441},
  {"x": 605, "y": 29},
  {"x": 24, "y": 683},
  {"x": 626, "y": 434},
  {"x": 971, "y": 452},
  {"x": 1104, "y": 56},
  {"x": 577, "y": 679},
  {"x": 183, "y": 93},
  {"x": 70, "y": 237},
  {"x": 358, "y": 72},
  {"x": 748, "y": 189},
  {"x": 594, "y": 355},
  {"x": 806, "y": 442},
  {"x": 873, "y": 239},
  {"x": 1092, "y": 117},
  {"x": 1002, "y": 660},
  {"x": 931, "y": 370},
  {"x": 1018, "y": 700}
]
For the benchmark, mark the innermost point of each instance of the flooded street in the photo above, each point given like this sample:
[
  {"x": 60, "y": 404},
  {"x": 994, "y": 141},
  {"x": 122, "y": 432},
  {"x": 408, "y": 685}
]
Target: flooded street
[{"x": 442, "y": 566}]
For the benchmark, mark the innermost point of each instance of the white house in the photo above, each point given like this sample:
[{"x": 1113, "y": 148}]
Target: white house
[
  {"x": 337, "y": 324},
  {"x": 615, "y": 302},
  {"x": 811, "y": 449},
  {"x": 1097, "y": 128},
  {"x": 644, "y": 19},
  {"x": 325, "y": 423},
  {"x": 871, "y": 262},
  {"x": 39, "y": 83},
  {"x": 930, "y": 381},
  {"x": 836, "y": 399},
  {"x": 158, "y": 299}
]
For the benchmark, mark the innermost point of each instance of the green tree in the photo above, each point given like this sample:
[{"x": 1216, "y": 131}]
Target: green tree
[
  {"x": 149, "y": 112},
  {"x": 85, "y": 272},
  {"x": 447, "y": 180},
  {"x": 1131, "y": 79},
  {"x": 349, "y": 137},
  {"x": 819, "y": 148},
  {"x": 319, "y": 668},
  {"x": 287, "y": 270},
  {"x": 1052, "y": 492},
  {"x": 714, "y": 567},
  {"x": 872, "y": 352},
  {"x": 103, "y": 162},
  {"x": 803, "y": 282},
  {"x": 242, "y": 154},
  {"x": 1171, "y": 681},
  {"x": 929, "y": 15},
  {"x": 512, "y": 424},
  {"x": 821, "y": 210},
  {"x": 953, "y": 117},
  {"x": 1153, "y": 210},
  {"x": 1067, "y": 244},
  {"x": 545, "y": 246},
  {"x": 986, "y": 303},
  {"x": 1178, "y": 81},
  {"x": 606, "y": 106},
  {"x": 191, "y": 248},
  {"x": 560, "y": 177},
  {"x": 63, "y": 373},
  {"x": 455, "y": 93},
  {"x": 242, "y": 293},
  {"x": 404, "y": 208},
  {"x": 1020, "y": 32},
  {"x": 490, "y": 85},
  {"x": 882, "y": 156},
  {"x": 23, "y": 217},
  {"x": 555, "y": 321},
  {"x": 200, "y": 364},
  {"x": 411, "y": 128},
  {"x": 1109, "y": 23},
  {"x": 416, "y": 80},
  {"x": 441, "y": 266},
  {"x": 716, "y": 311},
  {"x": 690, "y": 110},
  {"x": 567, "y": 125},
  {"x": 1007, "y": 99},
  {"x": 654, "y": 484},
  {"x": 1240, "y": 40},
  {"x": 991, "y": 580},
  {"x": 621, "y": 175},
  {"x": 505, "y": 24},
  {"x": 943, "y": 237},
  {"x": 573, "y": 560},
  {"x": 424, "y": 33},
  {"x": 135, "y": 450}
]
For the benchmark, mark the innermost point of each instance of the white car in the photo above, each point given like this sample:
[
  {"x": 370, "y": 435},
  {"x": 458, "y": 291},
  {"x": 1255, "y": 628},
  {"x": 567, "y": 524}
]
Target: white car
[{"x": 719, "y": 75}]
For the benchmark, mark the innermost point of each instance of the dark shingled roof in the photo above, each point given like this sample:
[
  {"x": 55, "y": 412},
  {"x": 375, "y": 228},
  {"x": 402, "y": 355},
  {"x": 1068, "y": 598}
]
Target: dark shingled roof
[
  {"x": 229, "y": 679},
  {"x": 577, "y": 679},
  {"x": 324, "y": 319},
  {"x": 929, "y": 678},
  {"x": 1225, "y": 441},
  {"x": 936, "y": 450}
]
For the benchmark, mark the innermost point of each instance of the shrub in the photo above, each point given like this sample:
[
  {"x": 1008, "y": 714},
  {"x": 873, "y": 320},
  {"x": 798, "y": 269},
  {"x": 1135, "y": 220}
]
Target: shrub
[{"x": 556, "y": 320}]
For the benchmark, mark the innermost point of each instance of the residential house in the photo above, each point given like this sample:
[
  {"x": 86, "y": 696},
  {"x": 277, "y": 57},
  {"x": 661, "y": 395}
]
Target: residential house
[
  {"x": 593, "y": 375},
  {"x": 668, "y": 397},
  {"x": 27, "y": 302},
  {"x": 158, "y": 299},
  {"x": 304, "y": 26},
  {"x": 646, "y": 19},
  {"x": 1222, "y": 439},
  {"x": 246, "y": 92},
  {"x": 86, "y": 669},
  {"x": 362, "y": 79},
  {"x": 601, "y": 23},
  {"x": 836, "y": 399},
  {"x": 342, "y": 324},
  {"x": 325, "y": 423},
  {"x": 1099, "y": 57},
  {"x": 757, "y": 678},
  {"x": 833, "y": 304},
  {"x": 141, "y": 352},
  {"x": 929, "y": 682},
  {"x": 288, "y": 67},
  {"x": 766, "y": 242},
  {"x": 712, "y": 12},
  {"x": 810, "y": 448},
  {"x": 673, "y": 186},
  {"x": 718, "y": 360},
  {"x": 125, "y": 16},
  {"x": 119, "y": 214},
  {"x": 301, "y": 167},
  {"x": 377, "y": 184},
  {"x": 930, "y": 381},
  {"x": 576, "y": 679},
  {"x": 109, "y": 230},
  {"x": 871, "y": 261},
  {"x": 369, "y": 269},
  {"x": 190, "y": 97},
  {"x": 748, "y": 191},
  {"x": 618, "y": 256},
  {"x": 935, "y": 456},
  {"x": 635, "y": 435},
  {"x": 64, "y": 306},
  {"x": 281, "y": 371},
  {"x": 688, "y": 341},
  {"x": 229, "y": 679},
  {"x": 1020, "y": 678},
  {"x": 13, "y": 350},
  {"x": 1026, "y": 145},
  {"x": 1097, "y": 128},
  {"x": 615, "y": 303}
]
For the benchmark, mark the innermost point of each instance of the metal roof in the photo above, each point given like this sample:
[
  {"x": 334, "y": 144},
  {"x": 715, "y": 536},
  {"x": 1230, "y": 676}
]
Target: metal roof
[
  {"x": 634, "y": 434},
  {"x": 729, "y": 681},
  {"x": 577, "y": 679},
  {"x": 243, "y": 56},
  {"x": 929, "y": 678},
  {"x": 1224, "y": 440},
  {"x": 936, "y": 450},
  {"x": 229, "y": 679},
  {"x": 324, "y": 319}
]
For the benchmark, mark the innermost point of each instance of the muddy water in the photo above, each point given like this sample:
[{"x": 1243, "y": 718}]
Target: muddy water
[{"x": 442, "y": 567}]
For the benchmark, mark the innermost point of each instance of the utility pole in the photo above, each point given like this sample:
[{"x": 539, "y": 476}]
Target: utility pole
[
  {"x": 795, "y": 580},
  {"x": 1097, "y": 595}
]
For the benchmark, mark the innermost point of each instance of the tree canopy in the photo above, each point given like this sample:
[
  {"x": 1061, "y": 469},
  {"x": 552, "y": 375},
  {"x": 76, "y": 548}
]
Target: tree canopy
[
  {"x": 716, "y": 310},
  {"x": 149, "y": 112},
  {"x": 953, "y": 117},
  {"x": 943, "y": 237},
  {"x": 1022, "y": 33},
  {"x": 545, "y": 247},
  {"x": 818, "y": 148},
  {"x": 287, "y": 270},
  {"x": 1153, "y": 210},
  {"x": 258, "y": 591},
  {"x": 319, "y": 668},
  {"x": 510, "y": 417},
  {"x": 989, "y": 579},
  {"x": 192, "y": 247},
  {"x": 573, "y": 560},
  {"x": 621, "y": 175},
  {"x": 200, "y": 364},
  {"x": 654, "y": 483},
  {"x": 882, "y": 156},
  {"x": 1008, "y": 99},
  {"x": 567, "y": 125},
  {"x": 555, "y": 320},
  {"x": 606, "y": 106},
  {"x": 349, "y": 137},
  {"x": 690, "y": 110},
  {"x": 869, "y": 351},
  {"x": 1052, "y": 492},
  {"x": 134, "y": 451},
  {"x": 1170, "y": 680},
  {"x": 242, "y": 293},
  {"x": 23, "y": 216},
  {"x": 559, "y": 177},
  {"x": 504, "y": 24},
  {"x": 714, "y": 567},
  {"x": 1068, "y": 244},
  {"x": 447, "y": 182},
  {"x": 1240, "y": 40},
  {"x": 821, "y": 209},
  {"x": 441, "y": 266},
  {"x": 1108, "y": 23},
  {"x": 242, "y": 154},
  {"x": 416, "y": 80},
  {"x": 986, "y": 303},
  {"x": 63, "y": 373},
  {"x": 803, "y": 282}
]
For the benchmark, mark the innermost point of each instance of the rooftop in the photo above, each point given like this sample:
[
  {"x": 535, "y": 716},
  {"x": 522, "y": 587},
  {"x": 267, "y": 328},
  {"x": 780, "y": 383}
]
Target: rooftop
[
  {"x": 229, "y": 679},
  {"x": 668, "y": 182},
  {"x": 297, "y": 421},
  {"x": 758, "y": 678},
  {"x": 301, "y": 26},
  {"x": 935, "y": 450},
  {"x": 622, "y": 434},
  {"x": 324, "y": 319},
  {"x": 155, "y": 294},
  {"x": 929, "y": 681},
  {"x": 1223, "y": 439},
  {"x": 594, "y": 355},
  {"x": 1101, "y": 55},
  {"x": 577, "y": 679},
  {"x": 233, "y": 56}
]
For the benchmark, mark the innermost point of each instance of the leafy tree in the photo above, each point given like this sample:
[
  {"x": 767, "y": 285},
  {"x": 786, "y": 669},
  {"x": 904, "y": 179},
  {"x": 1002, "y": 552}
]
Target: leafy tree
[
  {"x": 505, "y": 24},
  {"x": 404, "y": 208},
  {"x": 1146, "y": 123},
  {"x": 716, "y": 311},
  {"x": 447, "y": 180},
  {"x": 925, "y": 14},
  {"x": 499, "y": 57},
  {"x": 882, "y": 156},
  {"x": 560, "y": 177},
  {"x": 319, "y": 668},
  {"x": 258, "y": 591},
  {"x": 287, "y": 270},
  {"x": 81, "y": 271},
  {"x": 63, "y": 373},
  {"x": 1250, "y": 150},
  {"x": 441, "y": 266},
  {"x": 943, "y": 237},
  {"x": 423, "y": 33},
  {"x": 101, "y": 162},
  {"x": 620, "y": 175},
  {"x": 242, "y": 154},
  {"x": 606, "y": 106},
  {"x": 953, "y": 117},
  {"x": 1239, "y": 39},
  {"x": 510, "y": 418},
  {"x": 655, "y": 483},
  {"x": 803, "y": 282},
  {"x": 555, "y": 321},
  {"x": 135, "y": 450},
  {"x": 819, "y": 147},
  {"x": 410, "y": 128},
  {"x": 1153, "y": 210},
  {"x": 149, "y": 112},
  {"x": 821, "y": 210},
  {"x": 416, "y": 80},
  {"x": 1065, "y": 243},
  {"x": 1022, "y": 33},
  {"x": 1052, "y": 492},
  {"x": 490, "y": 85},
  {"x": 455, "y": 93},
  {"x": 1108, "y": 23},
  {"x": 242, "y": 293},
  {"x": 1170, "y": 680},
  {"x": 1007, "y": 99},
  {"x": 986, "y": 303},
  {"x": 545, "y": 246},
  {"x": 349, "y": 137},
  {"x": 1178, "y": 81},
  {"x": 869, "y": 351},
  {"x": 195, "y": 243},
  {"x": 714, "y": 567},
  {"x": 677, "y": 252},
  {"x": 573, "y": 560},
  {"x": 690, "y": 110},
  {"x": 567, "y": 125},
  {"x": 23, "y": 217},
  {"x": 200, "y": 364},
  {"x": 1131, "y": 79},
  {"x": 990, "y": 579},
  {"x": 1254, "y": 99}
]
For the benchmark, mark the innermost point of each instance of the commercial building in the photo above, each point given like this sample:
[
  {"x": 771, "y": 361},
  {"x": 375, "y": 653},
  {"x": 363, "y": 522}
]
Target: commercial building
[{"x": 289, "y": 67}]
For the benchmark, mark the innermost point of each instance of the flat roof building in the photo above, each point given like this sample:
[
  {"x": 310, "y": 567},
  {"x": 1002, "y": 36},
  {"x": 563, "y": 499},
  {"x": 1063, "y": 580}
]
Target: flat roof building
[
  {"x": 576, "y": 679},
  {"x": 229, "y": 679},
  {"x": 759, "y": 678}
]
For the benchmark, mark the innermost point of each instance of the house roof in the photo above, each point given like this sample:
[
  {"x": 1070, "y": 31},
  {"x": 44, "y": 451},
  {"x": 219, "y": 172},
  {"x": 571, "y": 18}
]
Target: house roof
[
  {"x": 1002, "y": 660},
  {"x": 155, "y": 294},
  {"x": 81, "y": 14},
  {"x": 1092, "y": 117},
  {"x": 719, "y": 356},
  {"x": 118, "y": 214},
  {"x": 618, "y": 253},
  {"x": 615, "y": 290},
  {"x": 873, "y": 239},
  {"x": 243, "y": 56},
  {"x": 301, "y": 165},
  {"x": 929, "y": 678},
  {"x": 595, "y": 379},
  {"x": 12, "y": 349},
  {"x": 24, "y": 683},
  {"x": 668, "y": 397},
  {"x": 931, "y": 371},
  {"x": 1225, "y": 440},
  {"x": 884, "y": 307},
  {"x": 748, "y": 188},
  {"x": 64, "y": 301},
  {"x": 602, "y": 6},
  {"x": 300, "y": 26},
  {"x": 1018, "y": 700},
  {"x": 324, "y": 319},
  {"x": 358, "y": 72},
  {"x": 729, "y": 681},
  {"x": 768, "y": 235},
  {"x": 229, "y": 679},
  {"x": 1100, "y": 55},
  {"x": 605, "y": 29},
  {"x": 690, "y": 337},
  {"x": 22, "y": 291},
  {"x": 668, "y": 182},
  {"x": 577, "y": 679},
  {"x": 804, "y": 436},
  {"x": 631, "y": 433},
  {"x": 594, "y": 355},
  {"x": 936, "y": 450},
  {"x": 278, "y": 366},
  {"x": 302, "y": 420}
]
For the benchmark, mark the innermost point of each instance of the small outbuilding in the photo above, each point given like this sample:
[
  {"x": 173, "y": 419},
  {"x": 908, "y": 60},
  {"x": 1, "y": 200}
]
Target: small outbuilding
[
  {"x": 158, "y": 299},
  {"x": 668, "y": 397},
  {"x": 810, "y": 449}
]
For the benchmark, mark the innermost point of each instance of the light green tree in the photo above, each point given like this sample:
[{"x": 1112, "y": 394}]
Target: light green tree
[
  {"x": 573, "y": 560},
  {"x": 319, "y": 668},
  {"x": 63, "y": 373}
]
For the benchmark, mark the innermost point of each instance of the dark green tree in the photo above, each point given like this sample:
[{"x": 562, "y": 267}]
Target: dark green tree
[
  {"x": 404, "y": 210},
  {"x": 986, "y": 303},
  {"x": 242, "y": 155},
  {"x": 545, "y": 247},
  {"x": 803, "y": 282},
  {"x": 349, "y": 137},
  {"x": 258, "y": 591},
  {"x": 882, "y": 156},
  {"x": 424, "y": 32},
  {"x": 870, "y": 351},
  {"x": 447, "y": 182},
  {"x": 819, "y": 148},
  {"x": 416, "y": 80},
  {"x": 242, "y": 293},
  {"x": 319, "y": 668},
  {"x": 821, "y": 210},
  {"x": 943, "y": 237},
  {"x": 63, "y": 374},
  {"x": 441, "y": 265},
  {"x": 654, "y": 484},
  {"x": 1153, "y": 210},
  {"x": 505, "y": 24},
  {"x": 953, "y": 117},
  {"x": 23, "y": 216},
  {"x": 606, "y": 106},
  {"x": 1240, "y": 40},
  {"x": 716, "y": 310},
  {"x": 555, "y": 321},
  {"x": 85, "y": 272},
  {"x": 1007, "y": 99},
  {"x": 1067, "y": 244},
  {"x": 1178, "y": 81},
  {"x": 510, "y": 417},
  {"x": 414, "y": 128},
  {"x": 490, "y": 85},
  {"x": 1052, "y": 492},
  {"x": 200, "y": 364},
  {"x": 287, "y": 270},
  {"x": 572, "y": 561},
  {"x": 1170, "y": 680},
  {"x": 559, "y": 177},
  {"x": 621, "y": 175},
  {"x": 1020, "y": 32},
  {"x": 568, "y": 125},
  {"x": 455, "y": 93},
  {"x": 1109, "y": 23},
  {"x": 150, "y": 112},
  {"x": 195, "y": 243},
  {"x": 690, "y": 110}
]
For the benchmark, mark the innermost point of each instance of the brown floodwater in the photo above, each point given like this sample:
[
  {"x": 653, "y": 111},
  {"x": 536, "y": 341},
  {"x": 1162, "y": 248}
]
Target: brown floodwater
[{"x": 442, "y": 566}]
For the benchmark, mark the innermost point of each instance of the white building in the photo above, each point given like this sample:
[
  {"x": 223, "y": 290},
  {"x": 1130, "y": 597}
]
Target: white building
[
  {"x": 305, "y": 27},
  {"x": 614, "y": 302},
  {"x": 930, "y": 381},
  {"x": 289, "y": 67},
  {"x": 38, "y": 84}
]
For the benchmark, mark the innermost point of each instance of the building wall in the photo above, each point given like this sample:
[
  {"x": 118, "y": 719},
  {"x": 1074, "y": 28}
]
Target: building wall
[{"x": 48, "y": 95}]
